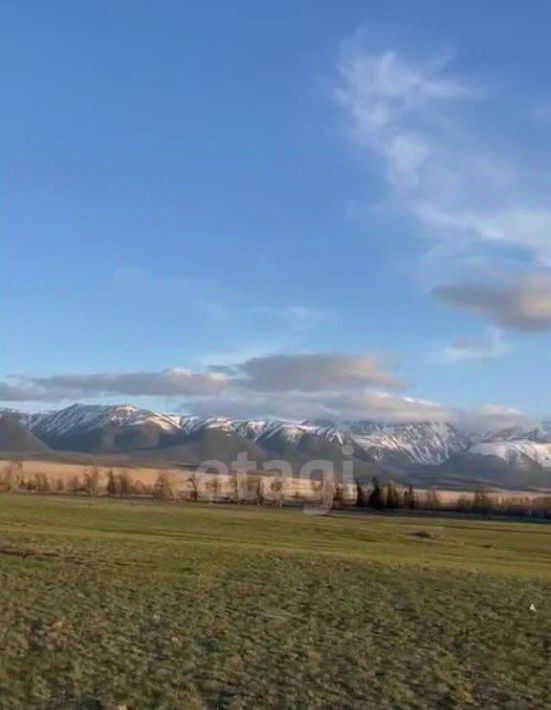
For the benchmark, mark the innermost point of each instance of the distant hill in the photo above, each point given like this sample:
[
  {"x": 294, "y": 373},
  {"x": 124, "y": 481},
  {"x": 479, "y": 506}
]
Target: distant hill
[{"x": 14, "y": 437}]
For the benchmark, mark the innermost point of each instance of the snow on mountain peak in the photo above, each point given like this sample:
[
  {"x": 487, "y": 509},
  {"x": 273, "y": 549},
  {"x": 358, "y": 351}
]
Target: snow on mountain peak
[
  {"x": 518, "y": 452},
  {"x": 392, "y": 444},
  {"x": 81, "y": 417}
]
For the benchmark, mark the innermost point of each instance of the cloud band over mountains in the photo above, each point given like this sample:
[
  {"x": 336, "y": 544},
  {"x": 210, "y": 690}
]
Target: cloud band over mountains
[
  {"x": 306, "y": 373},
  {"x": 291, "y": 386}
]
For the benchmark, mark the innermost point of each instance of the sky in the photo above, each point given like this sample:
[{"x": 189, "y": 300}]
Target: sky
[{"x": 293, "y": 209}]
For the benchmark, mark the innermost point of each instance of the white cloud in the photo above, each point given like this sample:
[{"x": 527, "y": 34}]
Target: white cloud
[
  {"x": 171, "y": 382},
  {"x": 461, "y": 350},
  {"x": 490, "y": 417},
  {"x": 297, "y": 387},
  {"x": 293, "y": 319},
  {"x": 302, "y": 372},
  {"x": 530, "y": 228},
  {"x": 334, "y": 406},
  {"x": 368, "y": 405},
  {"x": 523, "y": 304},
  {"x": 312, "y": 372},
  {"x": 411, "y": 122}
]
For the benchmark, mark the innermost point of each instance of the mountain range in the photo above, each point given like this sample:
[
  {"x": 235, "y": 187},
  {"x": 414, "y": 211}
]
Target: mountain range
[{"x": 418, "y": 451}]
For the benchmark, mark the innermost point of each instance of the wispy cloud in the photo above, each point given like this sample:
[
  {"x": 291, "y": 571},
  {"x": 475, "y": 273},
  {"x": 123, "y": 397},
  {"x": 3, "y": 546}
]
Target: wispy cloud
[
  {"x": 492, "y": 346},
  {"x": 358, "y": 404},
  {"x": 411, "y": 120},
  {"x": 295, "y": 319},
  {"x": 367, "y": 405}
]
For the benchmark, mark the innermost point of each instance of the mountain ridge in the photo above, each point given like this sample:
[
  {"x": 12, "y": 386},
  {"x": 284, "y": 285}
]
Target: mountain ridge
[{"x": 374, "y": 446}]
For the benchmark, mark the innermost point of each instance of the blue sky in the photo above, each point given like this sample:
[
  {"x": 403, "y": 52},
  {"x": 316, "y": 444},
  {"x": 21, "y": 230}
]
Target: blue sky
[{"x": 294, "y": 209}]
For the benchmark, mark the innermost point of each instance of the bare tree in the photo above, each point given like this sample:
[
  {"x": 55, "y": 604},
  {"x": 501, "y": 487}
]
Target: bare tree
[
  {"x": 124, "y": 484},
  {"x": 111, "y": 487},
  {"x": 277, "y": 490},
  {"x": 11, "y": 475},
  {"x": 164, "y": 486},
  {"x": 213, "y": 487},
  {"x": 140, "y": 489},
  {"x": 259, "y": 490},
  {"x": 432, "y": 500},
  {"x": 41, "y": 482},
  {"x": 74, "y": 485},
  {"x": 234, "y": 488},
  {"x": 195, "y": 482},
  {"x": 338, "y": 495},
  {"x": 91, "y": 480}
]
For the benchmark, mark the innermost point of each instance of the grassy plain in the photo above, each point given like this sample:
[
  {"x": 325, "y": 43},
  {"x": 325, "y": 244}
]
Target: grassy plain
[{"x": 113, "y": 604}]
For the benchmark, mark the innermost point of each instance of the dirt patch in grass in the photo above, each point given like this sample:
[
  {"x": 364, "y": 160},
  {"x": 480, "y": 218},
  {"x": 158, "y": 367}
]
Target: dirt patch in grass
[{"x": 427, "y": 535}]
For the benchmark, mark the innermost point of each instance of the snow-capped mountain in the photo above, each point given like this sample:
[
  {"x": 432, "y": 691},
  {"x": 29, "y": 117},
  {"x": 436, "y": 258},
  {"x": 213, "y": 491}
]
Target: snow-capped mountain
[
  {"x": 82, "y": 417},
  {"x": 520, "y": 446},
  {"x": 519, "y": 453},
  {"x": 95, "y": 427},
  {"x": 291, "y": 433},
  {"x": 535, "y": 432},
  {"x": 83, "y": 427},
  {"x": 374, "y": 445},
  {"x": 429, "y": 443}
]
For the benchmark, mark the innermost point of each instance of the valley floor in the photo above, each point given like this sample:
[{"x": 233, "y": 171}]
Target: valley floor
[{"x": 109, "y": 603}]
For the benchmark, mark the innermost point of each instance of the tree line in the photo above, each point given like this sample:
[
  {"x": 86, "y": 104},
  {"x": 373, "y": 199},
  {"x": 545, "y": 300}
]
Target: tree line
[
  {"x": 389, "y": 497},
  {"x": 479, "y": 502},
  {"x": 259, "y": 490}
]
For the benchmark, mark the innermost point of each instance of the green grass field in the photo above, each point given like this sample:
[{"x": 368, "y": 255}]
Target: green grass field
[{"x": 108, "y": 604}]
